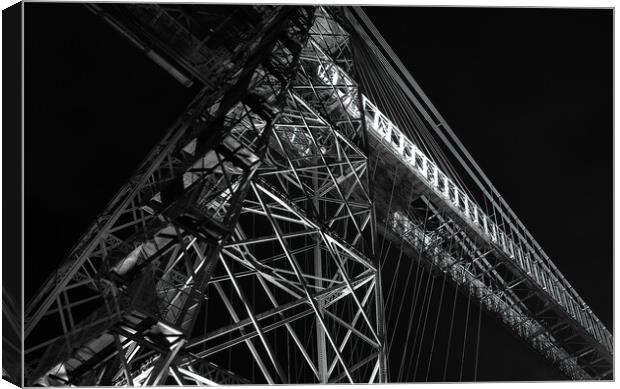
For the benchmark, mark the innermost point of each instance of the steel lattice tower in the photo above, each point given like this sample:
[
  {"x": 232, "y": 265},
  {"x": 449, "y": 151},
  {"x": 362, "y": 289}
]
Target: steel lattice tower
[{"x": 249, "y": 232}]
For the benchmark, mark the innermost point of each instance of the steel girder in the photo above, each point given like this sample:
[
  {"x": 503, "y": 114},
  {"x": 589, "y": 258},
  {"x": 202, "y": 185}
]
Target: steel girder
[
  {"x": 499, "y": 230},
  {"x": 247, "y": 247},
  {"x": 316, "y": 279},
  {"x": 258, "y": 232},
  {"x": 429, "y": 232},
  {"x": 531, "y": 293},
  {"x": 135, "y": 268}
]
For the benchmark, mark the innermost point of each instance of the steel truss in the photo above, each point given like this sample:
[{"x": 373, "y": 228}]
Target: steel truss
[
  {"x": 512, "y": 263},
  {"x": 243, "y": 248},
  {"x": 249, "y": 228},
  {"x": 447, "y": 251},
  {"x": 424, "y": 230}
]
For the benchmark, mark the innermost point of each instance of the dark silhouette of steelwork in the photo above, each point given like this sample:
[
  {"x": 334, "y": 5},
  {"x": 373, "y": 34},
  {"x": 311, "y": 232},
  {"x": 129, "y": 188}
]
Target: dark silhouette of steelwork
[{"x": 248, "y": 236}]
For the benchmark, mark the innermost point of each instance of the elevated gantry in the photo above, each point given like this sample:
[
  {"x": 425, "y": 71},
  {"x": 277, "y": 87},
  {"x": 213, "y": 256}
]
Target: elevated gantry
[{"x": 248, "y": 234}]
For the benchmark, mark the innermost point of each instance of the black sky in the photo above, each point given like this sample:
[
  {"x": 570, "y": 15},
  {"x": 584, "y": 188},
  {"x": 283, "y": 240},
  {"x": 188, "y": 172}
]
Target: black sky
[{"x": 528, "y": 91}]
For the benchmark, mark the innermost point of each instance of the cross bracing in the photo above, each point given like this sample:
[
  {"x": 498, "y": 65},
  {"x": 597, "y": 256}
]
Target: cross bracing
[{"x": 248, "y": 237}]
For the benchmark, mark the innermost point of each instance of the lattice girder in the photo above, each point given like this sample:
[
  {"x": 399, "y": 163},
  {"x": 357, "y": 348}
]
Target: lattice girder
[{"x": 187, "y": 194}]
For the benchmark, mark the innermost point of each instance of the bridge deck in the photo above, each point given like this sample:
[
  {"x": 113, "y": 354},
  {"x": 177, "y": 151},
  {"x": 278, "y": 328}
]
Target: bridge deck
[
  {"x": 499, "y": 267},
  {"x": 539, "y": 294}
]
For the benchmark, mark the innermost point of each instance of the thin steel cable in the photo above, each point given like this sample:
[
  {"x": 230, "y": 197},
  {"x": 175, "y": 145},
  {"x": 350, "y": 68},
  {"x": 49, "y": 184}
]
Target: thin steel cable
[
  {"x": 430, "y": 358},
  {"x": 393, "y": 283},
  {"x": 418, "y": 289},
  {"x": 416, "y": 294},
  {"x": 428, "y": 305},
  {"x": 486, "y": 206},
  {"x": 465, "y": 161},
  {"x": 394, "y": 180},
  {"x": 477, "y": 343},
  {"x": 465, "y": 334},
  {"x": 427, "y": 142},
  {"x": 445, "y": 368},
  {"x": 402, "y": 300},
  {"x": 394, "y": 279},
  {"x": 418, "y": 281},
  {"x": 429, "y": 145}
]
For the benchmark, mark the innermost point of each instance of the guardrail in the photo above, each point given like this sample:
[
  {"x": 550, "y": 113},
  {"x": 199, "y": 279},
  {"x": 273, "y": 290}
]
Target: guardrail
[{"x": 520, "y": 251}]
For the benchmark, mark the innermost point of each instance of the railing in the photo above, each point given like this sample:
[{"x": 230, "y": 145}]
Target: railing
[
  {"x": 501, "y": 304},
  {"x": 524, "y": 252},
  {"x": 520, "y": 251}
]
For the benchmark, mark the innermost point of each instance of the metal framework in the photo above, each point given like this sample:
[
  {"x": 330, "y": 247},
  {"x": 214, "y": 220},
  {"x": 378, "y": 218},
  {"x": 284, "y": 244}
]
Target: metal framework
[
  {"x": 261, "y": 192},
  {"x": 247, "y": 237}
]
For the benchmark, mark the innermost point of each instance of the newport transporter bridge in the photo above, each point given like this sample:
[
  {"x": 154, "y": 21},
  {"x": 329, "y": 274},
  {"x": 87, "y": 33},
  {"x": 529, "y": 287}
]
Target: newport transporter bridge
[{"x": 249, "y": 244}]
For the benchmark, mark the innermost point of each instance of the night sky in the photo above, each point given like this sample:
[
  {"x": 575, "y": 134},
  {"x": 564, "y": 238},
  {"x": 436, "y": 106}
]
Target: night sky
[{"x": 528, "y": 91}]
